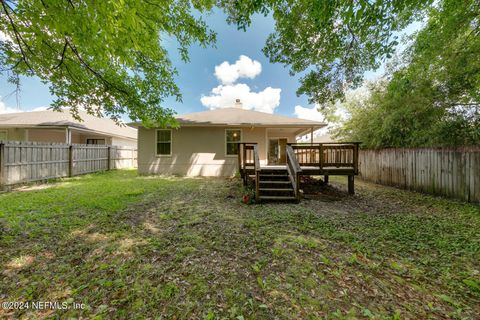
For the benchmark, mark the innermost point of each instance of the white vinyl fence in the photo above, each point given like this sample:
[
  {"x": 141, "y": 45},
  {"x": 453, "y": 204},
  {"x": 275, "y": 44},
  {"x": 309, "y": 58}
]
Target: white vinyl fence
[
  {"x": 450, "y": 172},
  {"x": 22, "y": 162}
]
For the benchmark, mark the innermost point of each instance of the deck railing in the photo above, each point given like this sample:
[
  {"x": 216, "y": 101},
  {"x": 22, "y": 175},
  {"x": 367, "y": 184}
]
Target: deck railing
[
  {"x": 246, "y": 157},
  {"x": 323, "y": 155}
]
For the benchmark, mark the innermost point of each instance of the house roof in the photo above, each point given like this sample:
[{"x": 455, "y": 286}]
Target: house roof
[
  {"x": 239, "y": 117},
  {"x": 49, "y": 118}
]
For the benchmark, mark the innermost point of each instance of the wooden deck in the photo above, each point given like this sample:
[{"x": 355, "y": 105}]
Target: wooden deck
[{"x": 324, "y": 159}]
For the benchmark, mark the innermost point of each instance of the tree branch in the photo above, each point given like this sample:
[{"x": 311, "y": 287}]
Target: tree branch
[
  {"x": 95, "y": 72},
  {"x": 18, "y": 37},
  {"x": 63, "y": 56}
]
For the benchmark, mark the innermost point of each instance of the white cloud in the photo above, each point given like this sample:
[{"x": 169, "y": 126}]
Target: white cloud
[
  {"x": 244, "y": 67},
  {"x": 40, "y": 109},
  {"x": 224, "y": 96},
  {"x": 5, "y": 109},
  {"x": 309, "y": 113}
]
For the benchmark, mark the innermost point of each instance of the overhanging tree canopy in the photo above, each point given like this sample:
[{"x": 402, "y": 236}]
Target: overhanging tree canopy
[
  {"x": 333, "y": 42},
  {"x": 434, "y": 98},
  {"x": 102, "y": 53},
  {"x": 112, "y": 54}
]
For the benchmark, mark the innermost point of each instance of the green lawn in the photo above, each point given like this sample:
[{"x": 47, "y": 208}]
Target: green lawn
[{"x": 177, "y": 248}]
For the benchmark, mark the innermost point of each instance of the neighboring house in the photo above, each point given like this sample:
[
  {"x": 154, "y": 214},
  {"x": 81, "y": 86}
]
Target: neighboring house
[
  {"x": 324, "y": 138},
  {"x": 61, "y": 127},
  {"x": 206, "y": 142}
]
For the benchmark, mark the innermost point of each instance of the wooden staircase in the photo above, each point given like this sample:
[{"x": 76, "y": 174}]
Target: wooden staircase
[
  {"x": 275, "y": 185},
  {"x": 283, "y": 183}
]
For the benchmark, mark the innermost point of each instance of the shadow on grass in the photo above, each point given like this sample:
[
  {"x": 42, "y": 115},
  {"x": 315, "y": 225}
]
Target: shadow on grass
[{"x": 130, "y": 247}]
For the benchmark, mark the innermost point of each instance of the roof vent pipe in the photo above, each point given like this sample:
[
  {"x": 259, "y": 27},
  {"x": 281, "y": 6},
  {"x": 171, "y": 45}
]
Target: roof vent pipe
[{"x": 238, "y": 104}]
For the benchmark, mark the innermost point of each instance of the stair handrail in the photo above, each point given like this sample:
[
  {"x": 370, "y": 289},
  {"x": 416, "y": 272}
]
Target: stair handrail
[
  {"x": 257, "y": 172},
  {"x": 294, "y": 171}
]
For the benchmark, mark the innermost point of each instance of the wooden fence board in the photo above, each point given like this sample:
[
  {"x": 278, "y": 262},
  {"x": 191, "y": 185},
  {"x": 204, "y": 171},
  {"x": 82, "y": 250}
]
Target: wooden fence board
[
  {"x": 22, "y": 162},
  {"x": 451, "y": 172}
]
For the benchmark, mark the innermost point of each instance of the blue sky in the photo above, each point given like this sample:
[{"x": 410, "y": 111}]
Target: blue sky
[{"x": 197, "y": 78}]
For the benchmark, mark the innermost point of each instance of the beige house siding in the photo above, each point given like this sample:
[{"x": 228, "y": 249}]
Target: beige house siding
[
  {"x": 14, "y": 133},
  {"x": 124, "y": 142},
  {"x": 198, "y": 151},
  {"x": 46, "y": 135}
]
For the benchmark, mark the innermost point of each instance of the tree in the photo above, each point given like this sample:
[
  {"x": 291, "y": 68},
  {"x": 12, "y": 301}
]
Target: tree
[
  {"x": 107, "y": 54},
  {"x": 434, "y": 99},
  {"x": 332, "y": 43}
]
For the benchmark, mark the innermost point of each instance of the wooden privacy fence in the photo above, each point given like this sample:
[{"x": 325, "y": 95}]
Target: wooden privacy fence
[
  {"x": 22, "y": 162},
  {"x": 450, "y": 172}
]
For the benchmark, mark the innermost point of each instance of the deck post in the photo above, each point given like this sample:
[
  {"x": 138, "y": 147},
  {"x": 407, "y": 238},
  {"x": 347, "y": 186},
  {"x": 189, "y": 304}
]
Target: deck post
[
  {"x": 320, "y": 156},
  {"x": 351, "y": 187},
  {"x": 239, "y": 160},
  {"x": 244, "y": 161},
  {"x": 355, "y": 158},
  {"x": 325, "y": 178}
]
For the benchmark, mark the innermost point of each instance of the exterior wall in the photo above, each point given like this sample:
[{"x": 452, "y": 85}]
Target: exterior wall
[
  {"x": 279, "y": 133},
  {"x": 46, "y": 135},
  {"x": 124, "y": 142},
  {"x": 196, "y": 151},
  {"x": 77, "y": 138},
  {"x": 14, "y": 134}
]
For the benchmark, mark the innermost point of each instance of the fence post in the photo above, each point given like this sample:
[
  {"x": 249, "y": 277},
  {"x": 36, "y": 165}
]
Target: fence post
[
  {"x": 70, "y": 160},
  {"x": 2, "y": 167},
  {"x": 108, "y": 158}
]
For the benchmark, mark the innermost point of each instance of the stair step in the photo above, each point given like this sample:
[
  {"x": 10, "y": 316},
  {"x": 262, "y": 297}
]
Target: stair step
[
  {"x": 276, "y": 189},
  {"x": 276, "y": 182},
  {"x": 274, "y": 175},
  {"x": 273, "y": 171},
  {"x": 277, "y": 198}
]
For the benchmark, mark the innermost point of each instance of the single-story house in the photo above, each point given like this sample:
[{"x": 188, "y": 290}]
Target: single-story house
[
  {"x": 60, "y": 127},
  {"x": 206, "y": 144}
]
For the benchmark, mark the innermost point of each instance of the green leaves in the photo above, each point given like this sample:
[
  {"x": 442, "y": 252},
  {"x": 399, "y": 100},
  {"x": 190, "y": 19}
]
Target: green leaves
[
  {"x": 103, "y": 54},
  {"x": 472, "y": 284},
  {"x": 434, "y": 100}
]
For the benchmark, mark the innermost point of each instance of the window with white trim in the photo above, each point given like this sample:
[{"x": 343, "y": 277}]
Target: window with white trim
[
  {"x": 232, "y": 137},
  {"x": 164, "y": 142}
]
